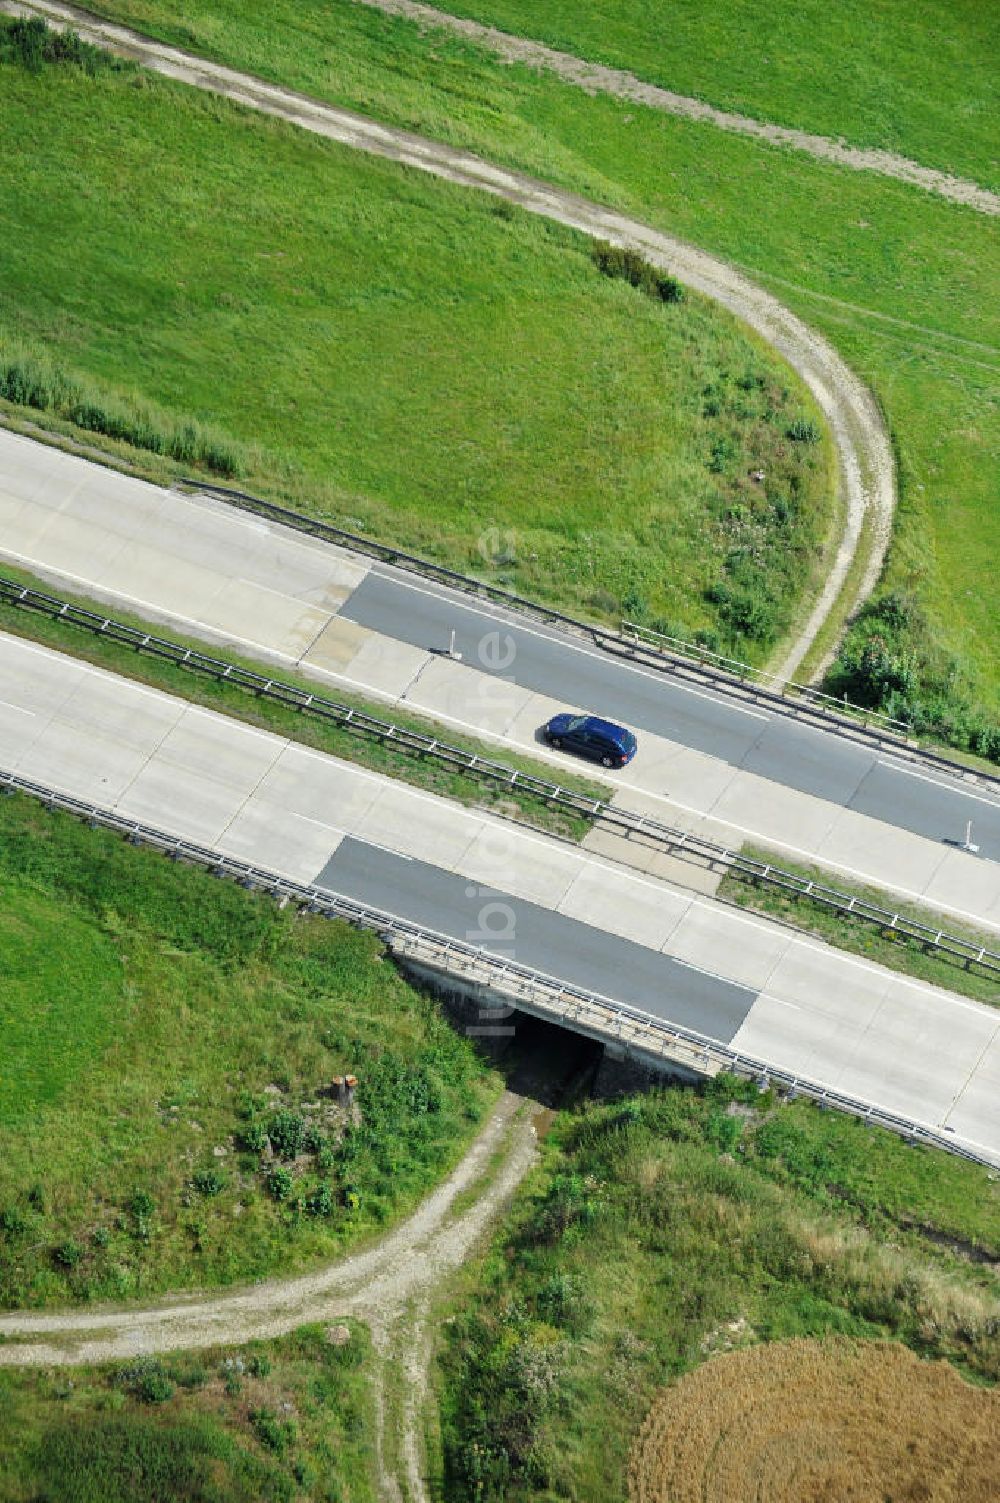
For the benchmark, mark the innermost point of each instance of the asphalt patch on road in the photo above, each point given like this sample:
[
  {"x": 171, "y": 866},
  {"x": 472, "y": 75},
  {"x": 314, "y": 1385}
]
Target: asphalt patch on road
[{"x": 537, "y": 937}]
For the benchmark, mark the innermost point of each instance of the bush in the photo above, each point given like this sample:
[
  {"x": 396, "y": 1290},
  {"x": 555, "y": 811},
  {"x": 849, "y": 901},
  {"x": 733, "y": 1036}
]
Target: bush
[
  {"x": 634, "y": 605},
  {"x": 68, "y": 1253},
  {"x": 287, "y": 1131},
  {"x": 724, "y": 1131},
  {"x": 723, "y": 452},
  {"x": 29, "y": 381},
  {"x": 803, "y": 431},
  {"x": 277, "y": 1435},
  {"x": 253, "y": 1138},
  {"x": 279, "y": 1184},
  {"x": 32, "y": 44},
  {"x": 320, "y": 1201},
  {"x": 747, "y": 612},
  {"x": 561, "y": 1302},
  {"x": 142, "y": 1205},
  {"x": 190, "y": 1376},
  {"x": 208, "y": 1182},
  {"x": 26, "y": 42},
  {"x": 145, "y": 1379},
  {"x": 628, "y": 266},
  {"x": 259, "y": 1365},
  {"x": 13, "y": 1222}
]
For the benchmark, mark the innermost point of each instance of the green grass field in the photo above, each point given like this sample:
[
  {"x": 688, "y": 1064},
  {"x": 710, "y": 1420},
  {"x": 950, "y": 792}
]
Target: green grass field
[
  {"x": 904, "y": 285},
  {"x": 271, "y": 1422},
  {"x": 856, "y": 70},
  {"x": 433, "y": 368},
  {"x": 662, "y": 1230},
  {"x": 152, "y": 1015}
]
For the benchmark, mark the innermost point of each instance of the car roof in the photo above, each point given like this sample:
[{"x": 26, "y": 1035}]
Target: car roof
[{"x": 616, "y": 733}]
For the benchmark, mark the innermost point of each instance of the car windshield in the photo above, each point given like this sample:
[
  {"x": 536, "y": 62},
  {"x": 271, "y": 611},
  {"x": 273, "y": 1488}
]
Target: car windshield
[{"x": 577, "y": 721}]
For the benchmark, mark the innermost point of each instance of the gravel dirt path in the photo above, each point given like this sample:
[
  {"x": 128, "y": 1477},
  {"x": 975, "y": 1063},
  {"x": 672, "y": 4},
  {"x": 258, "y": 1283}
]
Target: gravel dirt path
[
  {"x": 594, "y": 78},
  {"x": 860, "y": 435},
  {"x": 381, "y": 1286}
]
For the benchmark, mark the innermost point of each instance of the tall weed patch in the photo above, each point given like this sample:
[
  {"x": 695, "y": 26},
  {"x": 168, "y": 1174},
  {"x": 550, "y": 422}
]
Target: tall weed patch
[
  {"x": 889, "y": 660},
  {"x": 33, "y": 44},
  {"x": 29, "y": 379},
  {"x": 627, "y": 266}
]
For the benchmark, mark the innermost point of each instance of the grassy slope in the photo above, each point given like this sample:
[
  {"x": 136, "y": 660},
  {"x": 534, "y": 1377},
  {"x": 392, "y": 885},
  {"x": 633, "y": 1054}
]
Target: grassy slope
[
  {"x": 292, "y": 1420},
  {"x": 855, "y": 70},
  {"x": 661, "y": 1230},
  {"x": 175, "y": 1010},
  {"x": 904, "y": 285},
  {"x": 435, "y": 370}
]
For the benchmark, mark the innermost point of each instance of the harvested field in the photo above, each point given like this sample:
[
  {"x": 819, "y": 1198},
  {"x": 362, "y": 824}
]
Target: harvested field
[{"x": 817, "y": 1422}]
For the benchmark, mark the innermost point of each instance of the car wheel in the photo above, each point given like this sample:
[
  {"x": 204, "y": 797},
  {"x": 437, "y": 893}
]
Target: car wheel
[
  {"x": 556, "y": 742},
  {"x": 607, "y": 762}
]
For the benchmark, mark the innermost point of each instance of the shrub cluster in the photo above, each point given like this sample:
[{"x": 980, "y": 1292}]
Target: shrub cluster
[
  {"x": 146, "y": 1379},
  {"x": 30, "y": 381},
  {"x": 886, "y": 664},
  {"x": 628, "y": 266},
  {"x": 32, "y": 44}
]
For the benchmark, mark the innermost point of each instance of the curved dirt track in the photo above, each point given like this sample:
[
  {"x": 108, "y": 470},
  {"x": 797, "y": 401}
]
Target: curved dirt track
[
  {"x": 595, "y": 78},
  {"x": 860, "y": 435},
  {"x": 375, "y": 1286}
]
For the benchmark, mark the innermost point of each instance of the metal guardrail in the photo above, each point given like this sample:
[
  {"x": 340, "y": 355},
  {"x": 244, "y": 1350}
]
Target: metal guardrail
[
  {"x": 686, "y": 662},
  {"x": 499, "y": 776},
  {"x": 736, "y": 668},
  {"x": 533, "y": 990}
]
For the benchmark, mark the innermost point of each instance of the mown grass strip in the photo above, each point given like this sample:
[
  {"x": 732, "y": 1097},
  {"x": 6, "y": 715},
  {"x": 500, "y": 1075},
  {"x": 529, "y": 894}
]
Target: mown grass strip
[
  {"x": 350, "y": 744},
  {"x": 918, "y": 80}
]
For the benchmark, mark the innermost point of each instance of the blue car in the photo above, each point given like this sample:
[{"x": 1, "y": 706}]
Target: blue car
[{"x": 589, "y": 736}]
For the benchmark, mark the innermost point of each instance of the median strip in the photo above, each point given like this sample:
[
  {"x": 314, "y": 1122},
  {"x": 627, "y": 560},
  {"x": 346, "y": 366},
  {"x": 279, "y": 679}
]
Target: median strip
[{"x": 409, "y": 749}]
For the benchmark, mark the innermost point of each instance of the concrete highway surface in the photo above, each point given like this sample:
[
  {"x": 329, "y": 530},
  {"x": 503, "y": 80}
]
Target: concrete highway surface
[
  {"x": 707, "y": 762},
  {"x": 799, "y": 1005}
]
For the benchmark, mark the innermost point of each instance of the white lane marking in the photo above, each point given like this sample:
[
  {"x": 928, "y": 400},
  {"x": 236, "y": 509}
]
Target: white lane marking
[
  {"x": 558, "y": 641},
  {"x": 766, "y": 996},
  {"x": 583, "y": 860},
  {"x": 910, "y": 772},
  {"x": 378, "y": 846},
  {"x": 590, "y": 860},
  {"x": 19, "y": 708}
]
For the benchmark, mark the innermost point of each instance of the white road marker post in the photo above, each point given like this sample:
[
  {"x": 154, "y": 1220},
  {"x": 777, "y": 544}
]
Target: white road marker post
[
  {"x": 455, "y": 656},
  {"x": 967, "y": 844}
]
